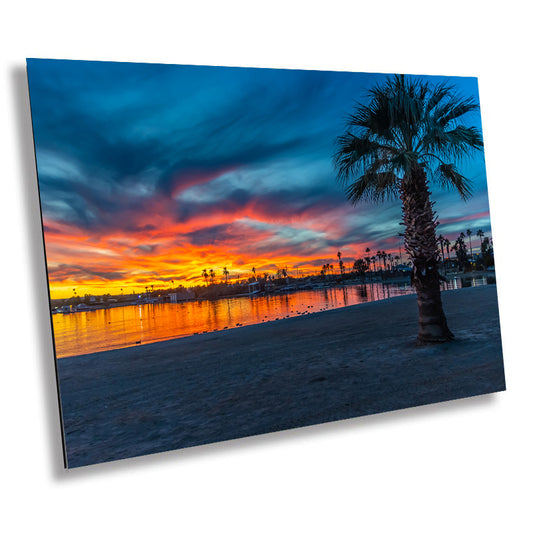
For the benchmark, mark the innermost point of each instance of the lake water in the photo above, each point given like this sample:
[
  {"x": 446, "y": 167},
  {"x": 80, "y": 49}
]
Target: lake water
[{"x": 119, "y": 327}]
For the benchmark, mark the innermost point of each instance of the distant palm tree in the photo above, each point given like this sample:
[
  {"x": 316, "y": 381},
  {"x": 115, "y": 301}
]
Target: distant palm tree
[
  {"x": 381, "y": 257},
  {"x": 440, "y": 240},
  {"x": 469, "y": 233},
  {"x": 225, "y": 271},
  {"x": 480, "y": 234},
  {"x": 368, "y": 261},
  {"x": 447, "y": 243},
  {"x": 460, "y": 251},
  {"x": 408, "y": 134},
  {"x": 212, "y": 275},
  {"x": 400, "y": 246},
  {"x": 205, "y": 275}
]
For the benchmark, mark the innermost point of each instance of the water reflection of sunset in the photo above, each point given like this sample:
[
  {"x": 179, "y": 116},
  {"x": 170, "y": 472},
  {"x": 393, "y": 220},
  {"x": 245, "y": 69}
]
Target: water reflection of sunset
[
  {"x": 105, "y": 329},
  {"x": 118, "y": 327}
]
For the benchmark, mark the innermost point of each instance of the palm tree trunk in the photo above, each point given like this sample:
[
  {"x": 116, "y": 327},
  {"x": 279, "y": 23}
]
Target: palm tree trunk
[{"x": 421, "y": 246}]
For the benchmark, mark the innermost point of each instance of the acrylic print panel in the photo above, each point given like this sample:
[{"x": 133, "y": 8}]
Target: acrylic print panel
[{"x": 236, "y": 251}]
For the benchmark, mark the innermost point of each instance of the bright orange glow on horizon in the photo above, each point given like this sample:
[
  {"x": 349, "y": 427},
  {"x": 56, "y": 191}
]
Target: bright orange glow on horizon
[
  {"x": 165, "y": 254},
  {"x": 119, "y": 262}
]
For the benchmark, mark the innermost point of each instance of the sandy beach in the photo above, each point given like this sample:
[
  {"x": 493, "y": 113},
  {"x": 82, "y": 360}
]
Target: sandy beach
[{"x": 310, "y": 369}]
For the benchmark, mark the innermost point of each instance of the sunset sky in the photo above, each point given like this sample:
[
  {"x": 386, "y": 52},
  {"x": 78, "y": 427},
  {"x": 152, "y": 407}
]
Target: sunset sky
[{"x": 150, "y": 173}]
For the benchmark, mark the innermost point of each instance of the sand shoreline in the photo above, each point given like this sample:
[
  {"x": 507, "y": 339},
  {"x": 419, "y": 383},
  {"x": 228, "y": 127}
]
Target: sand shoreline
[{"x": 310, "y": 369}]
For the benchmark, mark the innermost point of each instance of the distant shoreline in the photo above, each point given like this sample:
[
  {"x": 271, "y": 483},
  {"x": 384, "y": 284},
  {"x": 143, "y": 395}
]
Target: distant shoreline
[
  {"x": 277, "y": 375},
  {"x": 376, "y": 291},
  {"x": 295, "y": 287}
]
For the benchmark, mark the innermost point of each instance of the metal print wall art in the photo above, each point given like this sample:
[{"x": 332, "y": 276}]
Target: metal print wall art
[{"x": 237, "y": 251}]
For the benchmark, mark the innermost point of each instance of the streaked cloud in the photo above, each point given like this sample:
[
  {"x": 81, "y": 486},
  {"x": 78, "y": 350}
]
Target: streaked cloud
[{"x": 158, "y": 171}]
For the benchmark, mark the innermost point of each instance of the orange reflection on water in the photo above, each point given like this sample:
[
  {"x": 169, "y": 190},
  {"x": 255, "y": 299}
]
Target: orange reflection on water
[{"x": 118, "y": 327}]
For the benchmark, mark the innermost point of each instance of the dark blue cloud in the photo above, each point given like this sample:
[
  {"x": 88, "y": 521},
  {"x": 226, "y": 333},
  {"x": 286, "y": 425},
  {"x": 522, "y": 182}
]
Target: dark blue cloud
[{"x": 112, "y": 139}]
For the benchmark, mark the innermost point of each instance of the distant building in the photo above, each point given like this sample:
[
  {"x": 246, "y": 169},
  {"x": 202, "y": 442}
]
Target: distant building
[
  {"x": 176, "y": 297},
  {"x": 254, "y": 288}
]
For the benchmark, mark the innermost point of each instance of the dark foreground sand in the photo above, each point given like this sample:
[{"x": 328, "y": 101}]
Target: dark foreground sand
[{"x": 273, "y": 376}]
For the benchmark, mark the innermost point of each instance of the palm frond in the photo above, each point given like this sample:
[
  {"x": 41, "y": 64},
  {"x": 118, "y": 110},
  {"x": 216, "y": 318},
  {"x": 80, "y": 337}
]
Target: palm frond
[
  {"x": 469, "y": 137},
  {"x": 455, "y": 144},
  {"x": 373, "y": 186},
  {"x": 447, "y": 176},
  {"x": 353, "y": 153},
  {"x": 454, "y": 109},
  {"x": 439, "y": 93}
]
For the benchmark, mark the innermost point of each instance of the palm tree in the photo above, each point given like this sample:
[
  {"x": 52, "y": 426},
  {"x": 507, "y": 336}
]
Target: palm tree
[
  {"x": 408, "y": 135},
  {"x": 460, "y": 251},
  {"x": 381, "y": 257},
  {"x": 447, "y": 243},
  {"x": 367, "y": 261},
  {"x": 440, "y": 240},
  {"x": 225, "y": 271},
  {"x": 469, "y": 233},
  {"x": 205, "y": 275},
  {"x": 212, "y": 274},
  {"x": 480, "y": 234},
  {"x": 400, "y": 246}
]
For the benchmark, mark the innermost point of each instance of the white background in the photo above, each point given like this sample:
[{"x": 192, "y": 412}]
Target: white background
[{"x": 461, "y": 466}]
